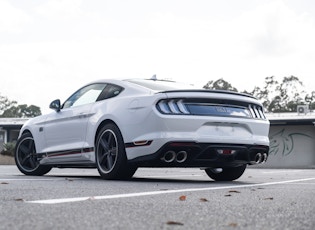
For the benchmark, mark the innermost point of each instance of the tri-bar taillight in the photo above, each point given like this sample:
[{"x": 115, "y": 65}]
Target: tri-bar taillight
[
  {"x": 213, "y": 107},
  {"x": 172, "y": 106}
]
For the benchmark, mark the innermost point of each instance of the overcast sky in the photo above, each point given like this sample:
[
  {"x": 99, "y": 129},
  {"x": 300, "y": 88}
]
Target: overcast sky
[{"x": 49, "y": 48}]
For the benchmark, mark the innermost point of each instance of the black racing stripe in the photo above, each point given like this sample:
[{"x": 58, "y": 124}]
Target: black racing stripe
[{"x": 69, "y": 152}]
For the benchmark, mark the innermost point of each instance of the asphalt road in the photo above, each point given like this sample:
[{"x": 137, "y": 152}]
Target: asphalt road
[{"x": 157, "y": 199}]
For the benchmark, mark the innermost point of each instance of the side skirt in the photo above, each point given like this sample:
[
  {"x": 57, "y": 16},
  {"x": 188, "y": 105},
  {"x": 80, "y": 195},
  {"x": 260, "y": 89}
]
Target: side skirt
[{"x": 68, "y": 157}]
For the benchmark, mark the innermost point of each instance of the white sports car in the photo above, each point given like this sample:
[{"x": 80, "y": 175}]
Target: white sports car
[{"x": 117, "y": 126}]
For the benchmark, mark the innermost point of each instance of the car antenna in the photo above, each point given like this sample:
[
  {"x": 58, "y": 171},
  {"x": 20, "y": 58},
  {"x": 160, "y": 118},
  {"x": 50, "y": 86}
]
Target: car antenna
[{"x": 153, "y": 77}]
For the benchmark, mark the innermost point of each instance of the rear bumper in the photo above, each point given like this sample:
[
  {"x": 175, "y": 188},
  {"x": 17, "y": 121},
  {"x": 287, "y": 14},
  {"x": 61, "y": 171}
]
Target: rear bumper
[
  {"x": 192, "y": 154},
  {"x": 158, "y": 130}
]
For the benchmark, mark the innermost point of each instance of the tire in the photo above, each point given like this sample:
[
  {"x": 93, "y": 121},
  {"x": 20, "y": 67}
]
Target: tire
[
  {"x": 226, "y": 174},
  {"x": 26, "y": 158},
  {"x": 110, "y": 154}
]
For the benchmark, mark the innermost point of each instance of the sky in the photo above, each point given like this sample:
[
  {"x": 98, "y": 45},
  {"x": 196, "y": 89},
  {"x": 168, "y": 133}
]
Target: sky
[{"x": 50, "y": 48}]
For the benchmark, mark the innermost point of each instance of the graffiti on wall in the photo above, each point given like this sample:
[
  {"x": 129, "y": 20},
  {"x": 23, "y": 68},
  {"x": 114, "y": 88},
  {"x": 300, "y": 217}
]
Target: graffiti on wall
[{"x": 283, "y": 143}]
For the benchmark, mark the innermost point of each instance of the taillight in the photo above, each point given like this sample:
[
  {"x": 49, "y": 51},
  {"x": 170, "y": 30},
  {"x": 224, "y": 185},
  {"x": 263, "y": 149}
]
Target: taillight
[
  {"x": 209, "y": 107},
  {"x": 257, "y": 112},
  {"x": 173, "y": 106}
]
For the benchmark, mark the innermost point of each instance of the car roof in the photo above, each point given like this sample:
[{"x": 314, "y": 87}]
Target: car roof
[
  {"x": 149, "y": 84},
  {"x": 161, "y": 85},
  {"x": 155, "y": 86}
]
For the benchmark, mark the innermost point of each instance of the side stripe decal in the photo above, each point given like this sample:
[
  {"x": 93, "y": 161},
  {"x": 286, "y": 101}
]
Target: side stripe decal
[{"x": 66, "y": 152}]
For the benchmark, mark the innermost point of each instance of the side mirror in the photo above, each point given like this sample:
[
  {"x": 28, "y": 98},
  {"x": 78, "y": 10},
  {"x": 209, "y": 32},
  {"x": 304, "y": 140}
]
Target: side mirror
[{"x": 55, "y": 105}]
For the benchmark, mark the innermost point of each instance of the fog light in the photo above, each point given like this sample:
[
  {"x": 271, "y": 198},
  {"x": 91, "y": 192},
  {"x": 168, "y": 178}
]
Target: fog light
[{"x": 226, "y": 151}]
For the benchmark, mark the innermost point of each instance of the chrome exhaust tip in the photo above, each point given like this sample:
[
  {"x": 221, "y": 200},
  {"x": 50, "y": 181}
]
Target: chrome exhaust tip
[
  {"x": 181, "y": 156},
  {"x": 258, "y": 159},
  {"x": 169, "y": 156},
  {"x": 264, "y": 158}
]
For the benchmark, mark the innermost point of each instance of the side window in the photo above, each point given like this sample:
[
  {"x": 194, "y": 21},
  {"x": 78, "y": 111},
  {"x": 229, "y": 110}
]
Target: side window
[
  {"x": 110, "y": 91},
  {"x": 85, "y": 95}
]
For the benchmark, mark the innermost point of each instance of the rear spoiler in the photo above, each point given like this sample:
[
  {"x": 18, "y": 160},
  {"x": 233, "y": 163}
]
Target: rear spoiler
[{"x": 207, "y": 91}]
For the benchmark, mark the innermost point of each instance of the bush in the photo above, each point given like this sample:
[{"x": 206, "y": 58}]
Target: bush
[{"x": 8, "y": 149}]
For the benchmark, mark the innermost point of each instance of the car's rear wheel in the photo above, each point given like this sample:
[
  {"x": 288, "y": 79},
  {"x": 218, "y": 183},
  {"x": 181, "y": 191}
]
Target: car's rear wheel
[
  {"x": 26, "y": 157},
  {"x": 111, "y": 157},
  {"x": 226, "y": 174}
]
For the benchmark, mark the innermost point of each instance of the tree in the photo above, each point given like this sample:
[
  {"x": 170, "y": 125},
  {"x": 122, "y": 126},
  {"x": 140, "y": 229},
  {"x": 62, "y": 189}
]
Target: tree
[
  {"x": 280, "y": 97},
  {"x": 5, "y": 103},
  {"x": 283, "y": 96},
  {"x": 220, "y": 84},
  {"x": 22, "y": 111},
  {"x": 291, "y": 90},
  {"x": 12, "y": 109},
  {"x": 264, "y": 94}
]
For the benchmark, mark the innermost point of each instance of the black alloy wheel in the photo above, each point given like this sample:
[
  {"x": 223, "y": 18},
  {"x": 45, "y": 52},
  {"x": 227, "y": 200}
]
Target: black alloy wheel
[
  {"x": 26, "y": 158},
  {"x": 110, "y": 153}
]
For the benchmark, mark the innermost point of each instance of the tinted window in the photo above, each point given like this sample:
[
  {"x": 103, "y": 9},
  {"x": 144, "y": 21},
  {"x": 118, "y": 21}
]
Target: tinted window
[
  {"x": 161, "y": 85},
  {"x": 109, "y": 92},
  {"x": 85, "y": 95}
]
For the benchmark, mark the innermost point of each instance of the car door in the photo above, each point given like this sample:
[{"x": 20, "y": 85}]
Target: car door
[{"x": 65, "y": 131}]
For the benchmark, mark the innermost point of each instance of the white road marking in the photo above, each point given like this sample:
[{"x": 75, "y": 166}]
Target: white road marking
[
  {"x": 283, "y": 171},
  {"x": 304, "y": 183},
  {"x": 152, "y": 193},
  {"x": 169, "y": 176},
  {"x": 7, "y": 179}
]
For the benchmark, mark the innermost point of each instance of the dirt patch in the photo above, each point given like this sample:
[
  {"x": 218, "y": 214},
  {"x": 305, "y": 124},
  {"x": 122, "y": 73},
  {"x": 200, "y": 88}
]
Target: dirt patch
[{"x": 6, "y": 160}]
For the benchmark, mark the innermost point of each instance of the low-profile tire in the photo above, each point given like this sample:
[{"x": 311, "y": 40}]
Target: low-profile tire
[
  {"x": 226, "y": 174},
  {"x": 26, "y": 157},
  {"x": 110, "y": 154}
]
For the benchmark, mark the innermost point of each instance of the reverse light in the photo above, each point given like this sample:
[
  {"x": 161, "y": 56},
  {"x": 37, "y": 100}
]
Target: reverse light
[{"x": 226, "y": 151}]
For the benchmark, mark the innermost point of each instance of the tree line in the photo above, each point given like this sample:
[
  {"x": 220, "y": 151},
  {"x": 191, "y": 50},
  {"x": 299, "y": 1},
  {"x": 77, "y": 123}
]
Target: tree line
[
  {"x": 276, "y": 96},
  {"x": 10, "y": 108}
]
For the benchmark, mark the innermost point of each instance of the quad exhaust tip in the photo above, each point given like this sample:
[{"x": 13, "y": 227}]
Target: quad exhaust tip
[
  {"x": 181, "y": 156},
  {"x": 265, "y": 156},
  {"x": 260, "y": 158},
  {"x": 171, "y": 156}
]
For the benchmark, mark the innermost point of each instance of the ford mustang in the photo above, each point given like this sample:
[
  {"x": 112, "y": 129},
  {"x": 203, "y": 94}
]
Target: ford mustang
[{"x": 118, "y": 126}]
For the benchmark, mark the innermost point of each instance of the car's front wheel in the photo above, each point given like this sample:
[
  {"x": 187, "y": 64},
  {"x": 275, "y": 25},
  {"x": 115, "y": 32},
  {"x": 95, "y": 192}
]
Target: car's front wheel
[
  {"x": 226, "y": 174},
  {"x": 26, "y": 157},
  {"x": 111, "y": 157}
]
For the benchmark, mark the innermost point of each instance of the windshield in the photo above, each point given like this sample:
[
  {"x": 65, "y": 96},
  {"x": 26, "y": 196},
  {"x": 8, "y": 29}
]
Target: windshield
[{"x": 161, "y": 85}]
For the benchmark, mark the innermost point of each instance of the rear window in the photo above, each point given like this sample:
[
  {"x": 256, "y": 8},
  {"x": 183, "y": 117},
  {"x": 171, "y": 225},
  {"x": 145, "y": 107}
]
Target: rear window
[{"x": 161, "y": 85}]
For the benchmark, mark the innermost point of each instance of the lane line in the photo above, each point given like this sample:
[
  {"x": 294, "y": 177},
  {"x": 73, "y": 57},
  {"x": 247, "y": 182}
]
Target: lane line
[
  {"x": 152, "y": 193},
  {"x": 283, "y": 171},
  {"x": 304, "y": 183},
  {"x": 7, "y": 179},
  {"x": 168, "y": 176}
]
